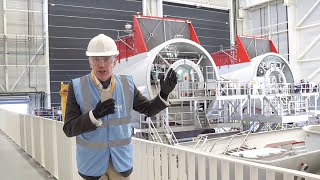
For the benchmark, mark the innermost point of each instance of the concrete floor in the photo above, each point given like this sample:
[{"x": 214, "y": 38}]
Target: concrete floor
[{"x": 15, "y": 164}]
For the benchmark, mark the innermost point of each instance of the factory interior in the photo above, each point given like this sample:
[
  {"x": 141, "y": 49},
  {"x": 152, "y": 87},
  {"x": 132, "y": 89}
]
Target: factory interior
[{"x": 245, "y": 106}]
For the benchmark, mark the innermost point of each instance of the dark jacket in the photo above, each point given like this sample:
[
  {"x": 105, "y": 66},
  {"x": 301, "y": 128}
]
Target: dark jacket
[{"x": 76, "y": 123}]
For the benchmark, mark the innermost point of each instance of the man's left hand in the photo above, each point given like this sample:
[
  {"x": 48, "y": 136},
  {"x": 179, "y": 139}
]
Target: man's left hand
[{"x": 168, "y": 84}]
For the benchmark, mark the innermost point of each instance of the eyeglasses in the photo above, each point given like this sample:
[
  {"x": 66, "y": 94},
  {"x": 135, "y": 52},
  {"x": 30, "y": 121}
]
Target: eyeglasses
[{"x": 104, "y": 59}]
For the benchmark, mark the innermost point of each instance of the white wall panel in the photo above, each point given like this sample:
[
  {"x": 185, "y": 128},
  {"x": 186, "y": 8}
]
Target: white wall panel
[
  {"x": 191, "y": 166},
  {"x": 48, "y": 142},
  {"x": 137, "y": 158},
  {"x": 64, "y": 151},
  {"x": 11, "y": 125},
  {"x": 38, "y": 138},
  {"x": 308, "y": 33},
  {"x": 173, "y": 164},
  {"x": 22, "y": 144},
  {"x": 29, "y": 134},
  {"x": 309, "y": 36},
  {"x": 303, "y": 7}
]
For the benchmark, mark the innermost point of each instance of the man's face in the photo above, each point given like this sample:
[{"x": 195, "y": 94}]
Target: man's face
[{"x": 102, "y": 66}]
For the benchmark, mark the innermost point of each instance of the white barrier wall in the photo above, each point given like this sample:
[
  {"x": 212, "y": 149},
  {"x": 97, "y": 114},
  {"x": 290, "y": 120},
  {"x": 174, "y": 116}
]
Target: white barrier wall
[
  {"x": 10, "y": 124},
  {"x": 45, "y": 141}
]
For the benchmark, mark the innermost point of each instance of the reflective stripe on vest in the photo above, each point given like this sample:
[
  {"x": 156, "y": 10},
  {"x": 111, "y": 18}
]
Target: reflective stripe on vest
[
  {"x": 118, "y": 121},
  {"x": 85, "y": 91},
  {"x": 126, "y": 90},
  {"x": 91, "y": 144}
]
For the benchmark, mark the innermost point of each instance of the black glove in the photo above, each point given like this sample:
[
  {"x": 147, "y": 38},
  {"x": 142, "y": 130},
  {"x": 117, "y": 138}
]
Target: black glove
[
  {"x": 168, "y": 84},
  {"x": 104, "y": 108}
]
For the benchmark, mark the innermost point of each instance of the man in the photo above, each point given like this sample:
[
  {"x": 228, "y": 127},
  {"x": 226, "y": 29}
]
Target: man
[{"x": 98, "y": 113}]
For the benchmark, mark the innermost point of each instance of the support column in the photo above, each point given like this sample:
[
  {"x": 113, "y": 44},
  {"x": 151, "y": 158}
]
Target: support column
[
  {"x": 232, "y": 22},
  {"x": 293, "y": 41},
  {"x": 45, "y": 42},
  {"x": 5, "y": 53},
  {"x": 152, "y": 8},
  {"x": 269, "y": 22}
]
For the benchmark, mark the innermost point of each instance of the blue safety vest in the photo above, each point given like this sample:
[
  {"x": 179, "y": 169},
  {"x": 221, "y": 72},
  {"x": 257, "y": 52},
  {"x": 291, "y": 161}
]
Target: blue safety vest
[{"x": 113, "y": 138}]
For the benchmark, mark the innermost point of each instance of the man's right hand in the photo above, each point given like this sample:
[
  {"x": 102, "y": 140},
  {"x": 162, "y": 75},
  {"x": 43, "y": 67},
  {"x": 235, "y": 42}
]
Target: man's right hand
[{"x": 104, "y": 108}]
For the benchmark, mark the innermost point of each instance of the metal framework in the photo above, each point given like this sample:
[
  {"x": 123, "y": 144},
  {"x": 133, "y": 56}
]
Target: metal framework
[
  {"x": 254, "y": 107},
  {"x": 24, "y": 47},
  {"x": 254, "y": 95}
]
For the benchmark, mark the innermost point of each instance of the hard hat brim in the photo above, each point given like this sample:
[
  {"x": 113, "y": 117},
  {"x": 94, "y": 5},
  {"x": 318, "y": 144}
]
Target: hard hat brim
[{"x": 110, "y": 53}]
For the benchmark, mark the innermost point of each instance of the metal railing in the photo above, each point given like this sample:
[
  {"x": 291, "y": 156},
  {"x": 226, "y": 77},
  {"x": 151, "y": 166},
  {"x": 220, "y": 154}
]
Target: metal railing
[
  {"x": 153, "y": 131},
  {"x": 204, "y": 143},
  {"x": 198, "y": 120},
  {"x": 231, "y": 88},
  {"x": 171, "y": 138},
  {"x": 182, "y": 118},
  {"x": 203, "y": 139}
]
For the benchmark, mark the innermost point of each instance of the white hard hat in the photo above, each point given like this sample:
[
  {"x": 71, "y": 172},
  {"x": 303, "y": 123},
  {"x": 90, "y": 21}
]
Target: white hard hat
[{"x": 102, "y": 45}]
